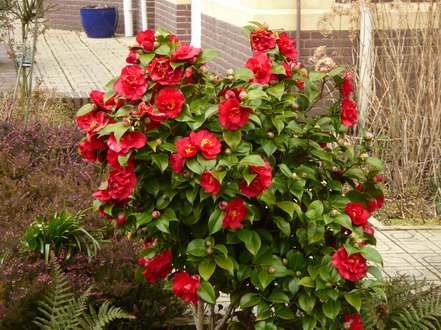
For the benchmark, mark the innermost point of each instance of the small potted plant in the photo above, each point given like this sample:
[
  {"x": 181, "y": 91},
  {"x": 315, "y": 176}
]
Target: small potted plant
[{"x": 98, "y": 21}]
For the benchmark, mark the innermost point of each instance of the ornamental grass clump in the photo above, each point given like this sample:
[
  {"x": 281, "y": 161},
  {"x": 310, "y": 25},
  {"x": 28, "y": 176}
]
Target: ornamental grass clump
[{"x": 244, "y": 185}]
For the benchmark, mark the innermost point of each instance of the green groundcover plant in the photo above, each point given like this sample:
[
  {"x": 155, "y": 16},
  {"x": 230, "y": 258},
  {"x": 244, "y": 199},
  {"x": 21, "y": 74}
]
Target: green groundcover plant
[{"x": 246, "y": 185}]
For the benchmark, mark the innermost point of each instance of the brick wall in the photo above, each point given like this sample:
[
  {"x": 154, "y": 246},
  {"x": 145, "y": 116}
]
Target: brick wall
[
  {"x": 175, "y": 18},
  {"x": 67, "y": 14}
]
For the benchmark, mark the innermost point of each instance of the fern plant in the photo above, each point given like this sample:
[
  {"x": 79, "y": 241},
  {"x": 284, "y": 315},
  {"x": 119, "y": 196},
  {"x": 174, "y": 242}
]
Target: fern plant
[
  {"x": 410, "y": 304},
  {"x": 62, "y": 311}
]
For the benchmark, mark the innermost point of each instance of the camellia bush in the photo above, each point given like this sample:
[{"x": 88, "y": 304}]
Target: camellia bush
[{"x": 245, "y": 185}]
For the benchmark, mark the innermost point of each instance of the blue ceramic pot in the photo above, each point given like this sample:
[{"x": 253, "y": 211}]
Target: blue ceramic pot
[{"x": 99, "y": 22}]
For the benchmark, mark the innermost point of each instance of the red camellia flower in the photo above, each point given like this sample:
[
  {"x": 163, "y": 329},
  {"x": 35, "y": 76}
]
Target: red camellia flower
[
  {"x": 120, "y": 185},
  {"x": 177, "y": 162},
  {"x": 129, "y": 140},
  {"x": 97, "y": 98},
  {"x": 287, "y": 46},
  {"x": 235, "y": 213},
  {"x": 186, "y": 147},
  {"x": 210, "y": 183},
  {"x": 232, "y": 115},
  {"x": 91, "y": 145},
  {"x": 133, "y": 57},
  {"x": 162, "y": 72},
  {"x": 158, "y": 267},
  {"x": 146, "y": 39},
  {"x": 152, "y": 113},
  {"x": 353, "y": 322},
  {"x": 185, "y": 52},
  {"x": 352, "y": 268},
  {"x": 185, "y": 286},
  {"x": 170, "y": 101},
  {"x": 262, "y": 39},
  {"x": 259, "y": 184},
  {"x": 375, "y": 204},
  {"x": 349, "y": 113},
  {"x": 112, "y": 159},
  {"x": 93, "y": 121},
  {"x": 358, "y": 214},
  {"x": 262, "y": 170},
  {"x": 132, "y": 83},
  {"x": 261, "y": 66},
  {"x": 346, "y": 85},
  {"x": 207, "y": 143}
]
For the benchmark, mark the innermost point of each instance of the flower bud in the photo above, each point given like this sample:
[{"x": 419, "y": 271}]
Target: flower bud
[
  {"x": 368, "y": 136},
  {"x": 126, "y": 122},
  {"x": 334, "y": 213},
  {"x": 223, "y": 205},
  {"x": 296, "y": 106},
  {"x": 157, "y": 34},
  {"x": 329, "y": 285},
  {"x": 156, "y": 214},
  {"x": 209, "y": 250},
  {"x": 230, "y": 95},
  {"x": 219, "y": 168},
  {"x": 285, "y": 261},
  {"x": 265, "y": 85},
  {"x": 378, "y": 178},
  {"x": 347, "y": 325},
  {"x": 156, "y": 44},
  {"x": 227, "y": 151},
  {"x": 304, "y": 175},
  {"x": 298, "y": 273},
  {"x": 186, "y": 174},
  {"x": 347, "y": 144},
  {"x": 317, "y": 126},
  {"x": 146, "y": 121},
  {"x": 265, "y": 25},
  {"x": 269, "y": 135},
  {"x": 243, "y": 95},
  {"x": 207, "y": 243},
  {"x": 230, "y": 72},
  {"x": 121, "y": 219},
  {"x": 271, "y": 270},
  {"x": 159, "y": 141},
  {"x": 230, "y": 77},
  {"x": 364, "y": 155},
  {"x": 294, "y": 175}
]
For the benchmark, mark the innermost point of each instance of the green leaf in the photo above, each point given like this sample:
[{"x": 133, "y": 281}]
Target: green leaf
[
  {"x": 375, "y": 163},
  {"x": 355, "y": 173},
  {"x": 253, "y": 160},
  {"x": 278, "y": 123},
  {"x": 145, "y": 59},
  {"x": 308, "y": 323},
  {"x": 161, "y": 160},
  {"x": 306, "y": 302},
  {"x": 232, "y": 138},
  {"x": 285, "y": 314},
  {"x": 283, "y": 225},
  {"x": 269, "y": 146},
  {"x": 315, "y": 233},
  {"x": 375, "y": 272},
  {"x": 194, "y": 165},
  {"x": 344, "y": 220},
  {"x": 85, "y": 109},
  {"x": 322, "y": 155},
  {"x": 331, "y": 308},
  {"x": 208, "y": 54},
  {"x": 206, "y": 268},
  {"x": 287, "y": 206},
  {"x": 336, "y": 71},
  {"x": 206, "y": 292},
  {"x": 224, "y": 263},
  {"x": 257, "y": 94},
  {"x": 354, "y": 300},
  {"x": 307, "y": 282},
  {"x": 314, "y": 76},
  {"x": 243, "y": 73},
  {"x": 277, "y": 90},
  {"x": 278, "y": 296},
  {"x": 215, "y": 221},
  {"x": 163, "y": 225},
  {"x": 251, "y": 239},
  {"x": 250, "y": 299},
  {"x": 285, "y": 170},
  {"x": 197, "y": 248},
  {"x": 371, "y": 254}
]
